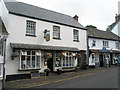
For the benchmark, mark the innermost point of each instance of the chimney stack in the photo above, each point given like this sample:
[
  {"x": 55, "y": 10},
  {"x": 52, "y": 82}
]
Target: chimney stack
[
  {"x": 76, "y": 17},
  {"x": 117, "y": 18}
]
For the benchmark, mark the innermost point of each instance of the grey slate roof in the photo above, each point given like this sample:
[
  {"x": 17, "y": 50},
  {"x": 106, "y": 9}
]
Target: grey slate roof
[
  {"x": 31, "y": 11},
  {"x": 102, "y": 34},
  {"x": 3, "y": 30},
  {"x": 42, "y": 47}
]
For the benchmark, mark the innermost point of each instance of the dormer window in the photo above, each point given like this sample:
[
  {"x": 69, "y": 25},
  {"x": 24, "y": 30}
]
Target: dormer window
[{"x": 30, "y": 28}]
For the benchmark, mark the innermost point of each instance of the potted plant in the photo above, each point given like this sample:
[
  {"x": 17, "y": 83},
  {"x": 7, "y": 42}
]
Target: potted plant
[
  {"x": 59, "y": 71},
  {"x": 84, "y": 65},
  {"x": 47, "y": 71}
]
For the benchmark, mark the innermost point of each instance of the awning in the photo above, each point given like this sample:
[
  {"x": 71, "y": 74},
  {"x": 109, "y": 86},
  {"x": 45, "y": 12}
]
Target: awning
[
  {"x": 104, "y": 50},
  {"x": 42, "y": 47}
]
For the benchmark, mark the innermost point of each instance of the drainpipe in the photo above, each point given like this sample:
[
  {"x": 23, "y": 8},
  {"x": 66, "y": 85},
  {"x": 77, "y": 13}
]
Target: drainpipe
[{"x": 87, "y": 55}]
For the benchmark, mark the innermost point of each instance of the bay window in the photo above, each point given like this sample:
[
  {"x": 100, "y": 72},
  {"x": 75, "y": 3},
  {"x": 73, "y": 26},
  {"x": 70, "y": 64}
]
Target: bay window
[{"x": 30, "y": 59}]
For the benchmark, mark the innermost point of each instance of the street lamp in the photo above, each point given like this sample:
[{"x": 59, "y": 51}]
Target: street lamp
[{"x": 4, "y": 39}]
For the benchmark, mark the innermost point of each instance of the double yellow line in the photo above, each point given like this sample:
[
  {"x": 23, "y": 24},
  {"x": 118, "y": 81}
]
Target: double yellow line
[{"x": 50, "y": 82}]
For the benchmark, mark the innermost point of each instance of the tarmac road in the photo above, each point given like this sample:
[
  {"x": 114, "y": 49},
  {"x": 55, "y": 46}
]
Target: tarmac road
[{"x": 103, "y": 79}]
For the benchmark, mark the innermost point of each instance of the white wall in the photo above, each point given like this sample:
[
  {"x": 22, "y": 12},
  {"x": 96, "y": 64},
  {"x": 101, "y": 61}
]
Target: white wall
[
  {"x": 99, "y": 44},
  {"x": 18, "y": 30}
]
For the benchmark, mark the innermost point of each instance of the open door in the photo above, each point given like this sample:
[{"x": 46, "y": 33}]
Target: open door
[
  {"x": 50, "y": 63},
  {"x": 101, "y": 60}
]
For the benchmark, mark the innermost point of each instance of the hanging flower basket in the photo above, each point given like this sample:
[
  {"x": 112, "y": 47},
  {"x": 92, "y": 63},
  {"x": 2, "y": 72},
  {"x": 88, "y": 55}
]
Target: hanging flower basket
[
  {"x": 59, "y": 55},
  {"x": 78, "y": 55},
  {"x": 47, "y": 55}
]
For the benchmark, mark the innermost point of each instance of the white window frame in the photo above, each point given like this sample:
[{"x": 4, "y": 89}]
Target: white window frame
[
  {"x": 69, "y": 58},
  {"x": 1, "y": 69},
  {"x": 75, "y": 35},
  {"x": 23, "y": 53},
  {"x": 56, "y": 32},
  {"x": 30, "y": 28},
  {"x": 106, "y": 44}
]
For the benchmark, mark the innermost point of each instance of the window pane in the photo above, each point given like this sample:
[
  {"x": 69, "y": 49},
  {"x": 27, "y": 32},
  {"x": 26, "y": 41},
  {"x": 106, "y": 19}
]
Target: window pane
[
  {"x": 66, "y": 61},
  {"x": 28, "y": 52},
  {"x": 33, "y": 53},
  {"x": 28, "y": 62},
  {"x": 38, "y": 62},
  {"x": 33, "y": 61}
]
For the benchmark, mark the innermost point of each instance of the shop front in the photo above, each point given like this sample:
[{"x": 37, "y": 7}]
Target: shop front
[{"x": 39, "y": 57}]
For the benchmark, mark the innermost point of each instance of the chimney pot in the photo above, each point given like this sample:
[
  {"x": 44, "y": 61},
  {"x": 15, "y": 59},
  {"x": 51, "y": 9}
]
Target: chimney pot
[{"x": 76, "y": 17}]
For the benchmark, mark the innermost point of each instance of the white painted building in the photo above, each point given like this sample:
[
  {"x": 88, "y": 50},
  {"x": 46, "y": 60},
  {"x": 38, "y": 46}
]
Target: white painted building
[
  {"x": 104, "y": 47},
  {"x": 40, "y": 39}
]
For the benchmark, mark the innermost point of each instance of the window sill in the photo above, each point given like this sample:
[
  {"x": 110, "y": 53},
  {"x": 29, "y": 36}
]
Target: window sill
[
  {"x": 105, "y": 47},
  {"x": 76, "y": 40},
  {"x": 27, "y": 69},
  {"x": 30, "y": 35},
  {"x": 57, "y": 38}
]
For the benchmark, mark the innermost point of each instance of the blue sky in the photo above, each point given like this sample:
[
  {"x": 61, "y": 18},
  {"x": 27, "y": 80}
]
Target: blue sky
[{"x": 99, "y": 13}]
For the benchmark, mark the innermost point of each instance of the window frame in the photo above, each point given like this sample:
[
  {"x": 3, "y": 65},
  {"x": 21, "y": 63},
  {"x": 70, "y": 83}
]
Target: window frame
[
  {"x": 30, "y": 28},
  {"x": 106, "y": 44},
  {"x": 31, "y": 60},
  {"x": 75, "y": 35},
  {"x": 67, "y": 61},
  {"x": 56, "y": 32}
]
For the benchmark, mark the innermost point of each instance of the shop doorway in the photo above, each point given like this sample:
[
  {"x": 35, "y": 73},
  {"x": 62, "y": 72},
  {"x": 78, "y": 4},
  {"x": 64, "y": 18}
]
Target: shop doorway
[
  {"x": 50, "y": 63},
  {"x": 101, "y": 60},
  {"x": 111, "y": 58}
]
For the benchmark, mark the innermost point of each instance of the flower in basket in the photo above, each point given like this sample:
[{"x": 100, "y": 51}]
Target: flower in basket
[
  {"x": 47, "y": 55},
  {"x": 60, "y": 55},
  {"x": 78, "y": 55}
]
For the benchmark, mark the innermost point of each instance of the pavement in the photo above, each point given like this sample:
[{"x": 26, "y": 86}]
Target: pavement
[{"x": 53, "y": 78}]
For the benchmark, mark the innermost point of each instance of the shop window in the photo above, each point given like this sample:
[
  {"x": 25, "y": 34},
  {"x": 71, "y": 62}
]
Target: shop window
[
  {"x": 30, "y": 59},
  {"x": 68, "y": 60}
]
